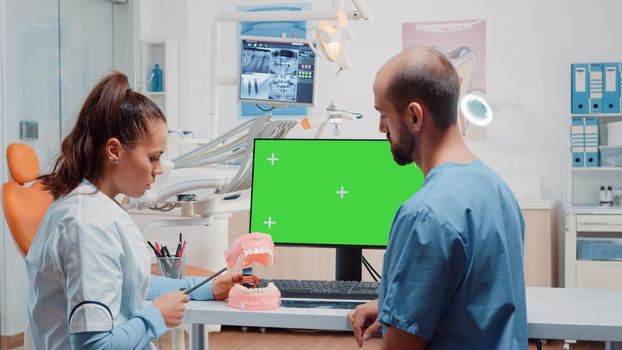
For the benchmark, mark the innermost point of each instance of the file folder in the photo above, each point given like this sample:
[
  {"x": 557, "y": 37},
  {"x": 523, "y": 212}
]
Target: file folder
[
  {"x": 611, "y": 90},
  {"x": 580, "y": 89},
  {"x": 592, "y": 140},
  {"x": 596, "y": 88},
  {"x": 577, "y": 142}
]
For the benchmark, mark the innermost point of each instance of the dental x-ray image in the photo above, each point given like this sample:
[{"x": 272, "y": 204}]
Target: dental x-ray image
[
  {"x": 255, "y": 60},
  {"x": 269, "y": 74},
  {"x": 283, "y": 82},
  {"x": 278, "y": 72},
  {"x": 255, "y": 86}
]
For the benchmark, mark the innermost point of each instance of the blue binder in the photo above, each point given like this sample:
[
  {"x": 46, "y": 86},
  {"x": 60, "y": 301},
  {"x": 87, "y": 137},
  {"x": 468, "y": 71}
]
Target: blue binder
[
  {"x": 577, "y": 142},
  {"x": 592, "y": 140},
  {"x": 611, "y": 88},
  {"x": 580, "y": 89},
  {"x": 596, "y": 87}
]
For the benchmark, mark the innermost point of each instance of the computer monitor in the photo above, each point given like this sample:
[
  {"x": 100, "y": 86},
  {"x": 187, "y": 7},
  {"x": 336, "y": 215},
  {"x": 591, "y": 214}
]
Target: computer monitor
[
  {"x": 329, "y": 193},
  {"x": 276, "y": 71}
]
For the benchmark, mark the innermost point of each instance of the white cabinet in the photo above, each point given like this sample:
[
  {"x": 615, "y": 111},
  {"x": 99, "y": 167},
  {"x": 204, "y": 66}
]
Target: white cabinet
[
  {"x": 587, "y": 224},
  {"x": 591, "y": 223}
]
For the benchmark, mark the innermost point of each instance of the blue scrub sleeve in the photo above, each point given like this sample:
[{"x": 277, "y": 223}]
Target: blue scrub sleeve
[
  {"x": 162, "y": 285},
  {"x": 427, "y": 266},
  {"x": 143, "y": 327}
]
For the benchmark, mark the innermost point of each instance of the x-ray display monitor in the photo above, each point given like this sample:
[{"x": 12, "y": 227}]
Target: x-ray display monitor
[
  {"x": 276, "y": 71},
  {"x": 335, "y": 193}
]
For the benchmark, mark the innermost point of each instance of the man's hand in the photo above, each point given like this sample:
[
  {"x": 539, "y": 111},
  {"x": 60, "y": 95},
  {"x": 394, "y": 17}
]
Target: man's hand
[
  {"x": 364, "y": 320},
  {"x": 222, "y": 284}
]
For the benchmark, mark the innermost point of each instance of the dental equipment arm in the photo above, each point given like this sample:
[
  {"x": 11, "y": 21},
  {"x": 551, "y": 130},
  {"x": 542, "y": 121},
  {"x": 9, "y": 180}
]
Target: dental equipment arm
[{"x": 213, "y": 176}]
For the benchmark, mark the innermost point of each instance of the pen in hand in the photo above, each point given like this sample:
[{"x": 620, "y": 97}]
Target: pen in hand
[{"x": 188, "y": 291}]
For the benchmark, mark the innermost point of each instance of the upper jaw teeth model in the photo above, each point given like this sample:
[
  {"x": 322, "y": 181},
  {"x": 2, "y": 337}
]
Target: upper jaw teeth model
[{"x": 241, "y": 254}]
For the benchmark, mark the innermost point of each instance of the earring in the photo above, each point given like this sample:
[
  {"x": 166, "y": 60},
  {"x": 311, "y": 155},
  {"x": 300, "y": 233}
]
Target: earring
[{"x": 114, "y": 161}]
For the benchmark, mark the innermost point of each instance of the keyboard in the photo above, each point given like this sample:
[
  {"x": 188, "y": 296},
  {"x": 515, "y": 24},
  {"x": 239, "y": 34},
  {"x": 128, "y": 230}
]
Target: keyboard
[{"x": 320, "y": 289}]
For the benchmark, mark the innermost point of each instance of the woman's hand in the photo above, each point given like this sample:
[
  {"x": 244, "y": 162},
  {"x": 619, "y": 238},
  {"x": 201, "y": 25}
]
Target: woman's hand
[
  {"x": 222, "y": 284},
  {"x": 172, "y": 306}
]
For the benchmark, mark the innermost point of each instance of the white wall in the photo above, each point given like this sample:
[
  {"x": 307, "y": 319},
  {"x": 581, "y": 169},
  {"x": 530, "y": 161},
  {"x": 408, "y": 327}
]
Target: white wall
[{"x": 530, "y": 46}]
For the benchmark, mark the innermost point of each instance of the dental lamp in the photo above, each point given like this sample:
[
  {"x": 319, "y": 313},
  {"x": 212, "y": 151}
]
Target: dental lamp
[{"x": 332, "y": 42}]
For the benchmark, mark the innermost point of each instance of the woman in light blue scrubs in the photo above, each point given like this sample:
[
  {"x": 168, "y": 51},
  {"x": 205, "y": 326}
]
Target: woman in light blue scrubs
[{"x": 89, "y": 267}]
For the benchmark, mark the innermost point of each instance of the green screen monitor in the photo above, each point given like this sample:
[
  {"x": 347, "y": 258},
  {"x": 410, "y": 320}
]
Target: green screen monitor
[{"x": 328, "y": 193}]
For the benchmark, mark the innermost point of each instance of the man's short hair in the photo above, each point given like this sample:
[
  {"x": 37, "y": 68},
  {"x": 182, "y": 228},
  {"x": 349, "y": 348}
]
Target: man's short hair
[{"x": 431, "y": 81}]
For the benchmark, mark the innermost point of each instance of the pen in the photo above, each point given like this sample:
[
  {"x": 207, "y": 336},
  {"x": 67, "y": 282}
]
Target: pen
[
  {"x": 154, "y": 249},
  {"x": 183, "y": 248},
  {"x": 203, "y": 282},
  {"x": 165, "y": 250},
  {"x": 178, "y": 250}
]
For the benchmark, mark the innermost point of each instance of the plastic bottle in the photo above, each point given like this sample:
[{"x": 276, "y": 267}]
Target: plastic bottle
[
  {"x": 609, "y": 196},
  {"x": 156, "y": 79},
  {"x": 603, "y": 196}
]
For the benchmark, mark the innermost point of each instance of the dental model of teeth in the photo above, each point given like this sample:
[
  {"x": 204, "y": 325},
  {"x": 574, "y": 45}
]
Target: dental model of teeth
[{"x": 246, "y": 250}]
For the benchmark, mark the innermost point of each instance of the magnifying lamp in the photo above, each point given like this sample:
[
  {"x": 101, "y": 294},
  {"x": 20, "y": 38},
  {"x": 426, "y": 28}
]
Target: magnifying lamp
[{"x": 476, "y": 109}]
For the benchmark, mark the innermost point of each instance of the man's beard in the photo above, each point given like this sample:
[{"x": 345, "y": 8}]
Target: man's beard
[{"x": 403, "y": 151}]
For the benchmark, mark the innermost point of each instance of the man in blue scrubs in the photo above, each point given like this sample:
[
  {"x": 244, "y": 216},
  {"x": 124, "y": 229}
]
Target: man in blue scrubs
[{"x": 453, "y": 270}]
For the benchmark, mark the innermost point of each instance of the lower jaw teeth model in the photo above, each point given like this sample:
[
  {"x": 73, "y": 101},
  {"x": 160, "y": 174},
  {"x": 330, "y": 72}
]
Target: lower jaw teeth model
[{"x": 246, "y": 250}]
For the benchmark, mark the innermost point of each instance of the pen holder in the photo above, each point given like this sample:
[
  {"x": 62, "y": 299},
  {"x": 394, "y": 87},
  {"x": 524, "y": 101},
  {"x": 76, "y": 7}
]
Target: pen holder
[{"x": 171, "y": 267}]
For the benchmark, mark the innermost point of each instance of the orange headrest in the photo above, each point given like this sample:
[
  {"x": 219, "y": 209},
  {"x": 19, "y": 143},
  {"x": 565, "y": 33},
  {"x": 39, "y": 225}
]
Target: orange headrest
[{"x": 23, "y": 162}]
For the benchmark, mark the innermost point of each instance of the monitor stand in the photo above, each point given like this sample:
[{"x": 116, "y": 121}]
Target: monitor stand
[{"x": 348, "y": 264}]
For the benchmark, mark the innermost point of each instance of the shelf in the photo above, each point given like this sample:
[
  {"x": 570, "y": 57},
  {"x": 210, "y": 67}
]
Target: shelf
[
  {"x": 594, "y": 210},
  {"x": 155, "y": 93},
  {"x": 596, "y": 169},
  {"x": 597, "y": 115}
]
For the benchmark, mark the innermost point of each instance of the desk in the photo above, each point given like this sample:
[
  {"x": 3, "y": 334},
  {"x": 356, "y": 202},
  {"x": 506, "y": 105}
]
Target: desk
[
  {"x": 575, "y": 313},
  {"x": 552, "y": 313}
]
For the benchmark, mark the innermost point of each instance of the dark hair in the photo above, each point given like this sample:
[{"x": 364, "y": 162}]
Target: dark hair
[
  {"x": 111, "y": 109},
  {"x": 432, "y": 81}
]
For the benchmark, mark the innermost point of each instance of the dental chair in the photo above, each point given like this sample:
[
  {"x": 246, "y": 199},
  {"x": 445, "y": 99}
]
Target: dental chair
[{"x": 24, "y": 205}]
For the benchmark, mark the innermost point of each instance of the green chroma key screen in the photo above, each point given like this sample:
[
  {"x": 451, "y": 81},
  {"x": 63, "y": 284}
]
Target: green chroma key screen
[{"x": 328, "y": 192}]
